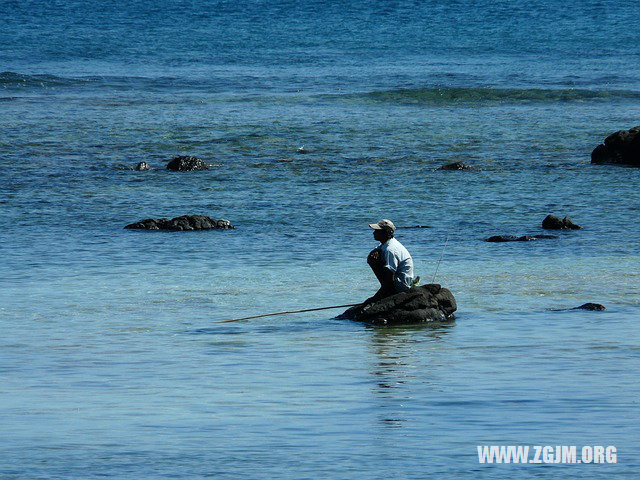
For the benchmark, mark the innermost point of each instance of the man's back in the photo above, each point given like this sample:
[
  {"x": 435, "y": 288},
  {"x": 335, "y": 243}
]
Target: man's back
[{"x": 398, "y": 260}]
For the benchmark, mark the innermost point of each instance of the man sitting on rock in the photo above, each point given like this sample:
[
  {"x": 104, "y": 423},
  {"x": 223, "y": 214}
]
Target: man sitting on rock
[{"x": 390, "y": 262}]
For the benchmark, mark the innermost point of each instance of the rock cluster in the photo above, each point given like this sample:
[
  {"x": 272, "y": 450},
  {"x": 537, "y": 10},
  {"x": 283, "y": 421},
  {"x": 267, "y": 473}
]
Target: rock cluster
[
  {"x": 423, "y": 304},
  {"x": 183, "y": 163},
  {"x": 621, "y": 147},
  {"x": 594, "y": 307},
  {"x": 457, "y": 166},
  {"x": 183, "y": 223},
  {"x": 513, "y": 238},
  {"x": 551, "y": 222},
  {"x": 591, "y": 306},
  {"x": 142, "y": 166}
]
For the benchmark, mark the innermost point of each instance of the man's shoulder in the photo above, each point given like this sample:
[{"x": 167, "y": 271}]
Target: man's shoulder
[
  {"x": 393, "y": 245},
  {"x": 398, "y": 248},
  {"x": 388, "y": 244}
]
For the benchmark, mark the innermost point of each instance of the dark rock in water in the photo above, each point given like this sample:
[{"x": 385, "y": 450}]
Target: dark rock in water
[
  {"x": 182, "y": 163},
  {"x": 423, "y": 304},
  {"x": 595, "y": 307},
  {"x": 302, "y": 150},
  {"x": 142, "y": 166},
  {"x": 457, "y": 166},
  {"x": 513, "y": 238},
  {"x": 502, "y": 238},
  {"x": 551, "y": 222},
  {"x": 183, "y": 223},
  {"x": 591, "y": 306},
  {"x": 621, "y": 147}
]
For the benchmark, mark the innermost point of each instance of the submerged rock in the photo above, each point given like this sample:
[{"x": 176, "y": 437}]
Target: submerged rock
[
  {"x": 423, "y": 304},
  {"x": 594, "y": 307},
  {"x": 621, "y": 147},
  {"x": 591, "y": 306},
  {"x": 183, "y": 163},
  {"x": 457, "y": 166},
  {"x": 183, "y": 223},
  {"x": 142, "y": 166},
  {"x": 513, "y": 238},
  {"x": 551, "y": 222}
]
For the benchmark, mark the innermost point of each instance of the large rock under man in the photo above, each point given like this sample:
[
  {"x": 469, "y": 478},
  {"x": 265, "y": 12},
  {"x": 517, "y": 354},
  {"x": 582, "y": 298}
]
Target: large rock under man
[{"x": 424, "y": 304}]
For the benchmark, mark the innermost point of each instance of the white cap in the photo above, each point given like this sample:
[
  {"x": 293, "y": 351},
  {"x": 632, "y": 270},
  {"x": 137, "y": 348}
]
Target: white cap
[{"x": 384, "y": 224}]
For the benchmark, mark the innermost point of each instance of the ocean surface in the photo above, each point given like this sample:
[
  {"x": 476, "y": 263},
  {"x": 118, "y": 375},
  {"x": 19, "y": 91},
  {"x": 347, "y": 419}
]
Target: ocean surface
[{"x": 112, "y": 364}]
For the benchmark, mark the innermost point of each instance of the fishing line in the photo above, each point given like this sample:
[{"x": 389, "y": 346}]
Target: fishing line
[{"x": 440, "y": 260}]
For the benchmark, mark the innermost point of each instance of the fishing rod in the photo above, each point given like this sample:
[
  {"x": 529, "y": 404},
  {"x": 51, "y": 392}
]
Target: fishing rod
[
  {"x": 440, "y": 260},
  {"x": 288, "y": 312},
  {"x": 324, "y": 308}
]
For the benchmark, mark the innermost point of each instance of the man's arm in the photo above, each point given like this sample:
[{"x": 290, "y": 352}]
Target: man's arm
[{"x": 379, "y": 263}]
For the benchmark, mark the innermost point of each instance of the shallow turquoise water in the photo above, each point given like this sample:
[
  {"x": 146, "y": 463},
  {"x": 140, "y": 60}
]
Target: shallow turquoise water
[{"x": 111, "y": 362}]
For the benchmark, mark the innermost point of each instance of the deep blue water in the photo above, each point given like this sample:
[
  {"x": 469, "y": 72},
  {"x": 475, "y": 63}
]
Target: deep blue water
[{"x": 111, "y": 363}]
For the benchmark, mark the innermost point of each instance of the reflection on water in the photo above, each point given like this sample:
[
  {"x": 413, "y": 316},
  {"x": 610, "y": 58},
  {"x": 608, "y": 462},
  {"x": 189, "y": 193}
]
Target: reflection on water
[{"x": 400, "y": 360}]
